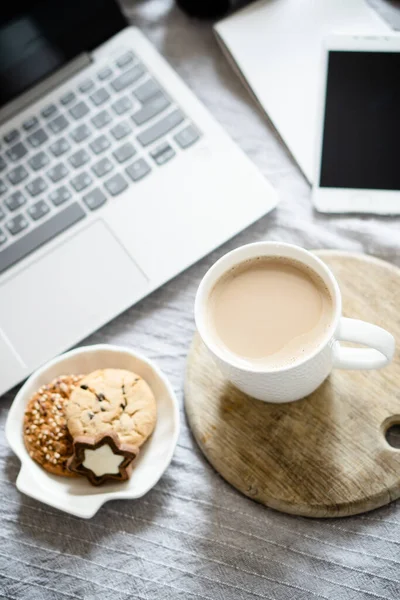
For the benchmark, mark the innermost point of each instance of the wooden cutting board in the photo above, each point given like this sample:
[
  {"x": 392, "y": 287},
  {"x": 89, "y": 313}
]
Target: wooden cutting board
[{"x": 326, "y": 455}]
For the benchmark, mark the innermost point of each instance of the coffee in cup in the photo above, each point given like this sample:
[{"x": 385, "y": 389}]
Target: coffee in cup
[{"x": 270, "y": 311}]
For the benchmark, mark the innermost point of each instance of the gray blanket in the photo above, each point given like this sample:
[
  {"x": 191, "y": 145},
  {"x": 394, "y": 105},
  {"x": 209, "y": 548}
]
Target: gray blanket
[{"x": 193, "y": 536}]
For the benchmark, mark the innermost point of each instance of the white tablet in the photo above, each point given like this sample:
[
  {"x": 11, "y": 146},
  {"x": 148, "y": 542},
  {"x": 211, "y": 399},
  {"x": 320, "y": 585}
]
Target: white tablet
[{"x": 358, "y": 137}]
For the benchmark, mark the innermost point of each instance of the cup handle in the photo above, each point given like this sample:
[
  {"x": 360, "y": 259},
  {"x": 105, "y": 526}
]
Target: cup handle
[{"x": 381, "y": 346}]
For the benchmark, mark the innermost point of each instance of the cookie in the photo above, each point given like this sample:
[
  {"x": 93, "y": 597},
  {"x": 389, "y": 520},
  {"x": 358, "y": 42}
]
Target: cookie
[
  {"x": 112, "y": 400},
  {"x": 102, "y": 458},
  {"x": 46, "y": 436}
]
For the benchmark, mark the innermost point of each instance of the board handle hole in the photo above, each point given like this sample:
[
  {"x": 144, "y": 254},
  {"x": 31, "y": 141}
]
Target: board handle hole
[{"x": 392, "y": 431}]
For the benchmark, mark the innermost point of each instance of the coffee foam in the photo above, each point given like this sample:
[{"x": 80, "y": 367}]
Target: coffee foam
[{"x": 262, "y": 337}]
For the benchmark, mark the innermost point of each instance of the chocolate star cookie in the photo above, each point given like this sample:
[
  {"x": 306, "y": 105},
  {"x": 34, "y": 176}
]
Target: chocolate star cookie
[{"x": 102, "y": 458}]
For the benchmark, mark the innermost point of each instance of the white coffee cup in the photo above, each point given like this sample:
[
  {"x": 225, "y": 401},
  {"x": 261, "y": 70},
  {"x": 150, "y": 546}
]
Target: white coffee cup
[{"x": 302, "y": 377}]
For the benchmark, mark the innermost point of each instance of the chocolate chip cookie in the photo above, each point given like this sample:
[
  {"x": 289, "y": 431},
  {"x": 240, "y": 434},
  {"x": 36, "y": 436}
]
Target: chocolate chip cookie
[
  {"x": 112, "y": 400},
  {"x": 46, "y": 436}
]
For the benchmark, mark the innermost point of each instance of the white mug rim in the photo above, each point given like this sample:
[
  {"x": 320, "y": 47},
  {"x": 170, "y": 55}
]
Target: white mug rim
[{"x": 235, "y": 257}]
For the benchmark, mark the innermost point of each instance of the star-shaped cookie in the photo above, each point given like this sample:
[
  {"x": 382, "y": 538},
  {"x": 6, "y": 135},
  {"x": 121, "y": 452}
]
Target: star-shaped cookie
[{"x": 102, "y": 458}]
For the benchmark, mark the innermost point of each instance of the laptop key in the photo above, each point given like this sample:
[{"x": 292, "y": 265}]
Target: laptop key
[
  {"x": 37, "y": 138},
  {"x": 127, "y": 78},
  {"x": 124, "y": 152},
  {"x": 116, "y": 184},
  {"x": 125, "y": 60},
  {"x": 67, "y": 98},
  {"x": 95, "y": 199},
  {"x": 59, "y": 147},
  {"x": 99, "y": 144},
  {"x": 99, "y": 96},
  {"x": 3, "y": 164},
  {"x": 38, "y": 161},
  {"x": 187, "y": 136},
  {"x": 152, "y": 108},
  {"x": 104, "y": 73},
  {"x": 160, "y": 128},
  {"x": 102, "y": 167},
  {"x": 163, "y": 154},
  {"x": 80, "y": 133},
  {"x": 59, "y": 196},
  {"x": 81, "y": 181},
  {"x": 17, "y": 224},
  {"x": 16, "y": 152},
  {"x": 11, "y": 136},
  {"x": 3, "y": 237},
  {"x": 86, "y": 86},
  {"x": 3, "y": 187},
  {"x": 79, "y": 110},
  {"x": 121, "y": 130},
  {"x": 138, "y": 169},
  {"x": 79, "y": 158},
  {"x": 14, "y": 201},
  {"x": 101, "y": 119},
  {"x": 58, "y": 124},
  {"x": 36, "y": 186},
  {"x": 147, "y": 90},
  {"x": 17, "y": 175},
  {"x": 122, "y": 105},
  {"x": 57, "y": 172},
  {"x": 37, "y": 237},
  {"x": 38, "y": 210},
  {"x": 30, "y": 123},
  {"x": 48, "y": 111}
]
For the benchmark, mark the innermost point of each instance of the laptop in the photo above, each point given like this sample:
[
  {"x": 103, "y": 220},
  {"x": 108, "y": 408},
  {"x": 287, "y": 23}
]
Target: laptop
[{"x": 113, "y": 176}]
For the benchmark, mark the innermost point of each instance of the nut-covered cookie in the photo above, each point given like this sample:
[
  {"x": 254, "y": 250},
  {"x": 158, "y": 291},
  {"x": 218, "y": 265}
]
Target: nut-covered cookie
[
  {"x": 46, "y": 436},
  {"x": 112, "y": 400}
]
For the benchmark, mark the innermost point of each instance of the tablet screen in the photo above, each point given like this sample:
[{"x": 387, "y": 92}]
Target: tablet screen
[{"x": 361, "y": 138}]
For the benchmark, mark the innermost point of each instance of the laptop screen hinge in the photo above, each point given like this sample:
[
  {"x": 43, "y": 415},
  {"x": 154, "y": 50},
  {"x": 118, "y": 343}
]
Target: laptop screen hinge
[{"x": 44, "y": 87}]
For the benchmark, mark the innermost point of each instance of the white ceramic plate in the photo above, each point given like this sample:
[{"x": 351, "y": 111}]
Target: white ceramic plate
[{"x": 77, "y": 496}]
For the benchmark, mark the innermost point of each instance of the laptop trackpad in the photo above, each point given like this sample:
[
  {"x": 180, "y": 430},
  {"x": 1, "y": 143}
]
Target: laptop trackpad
[{"x": 68, "y": 293}]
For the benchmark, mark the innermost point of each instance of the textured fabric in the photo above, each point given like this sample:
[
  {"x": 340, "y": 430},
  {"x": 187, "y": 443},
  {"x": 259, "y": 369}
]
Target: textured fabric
[{"x": 193, "y": 536}]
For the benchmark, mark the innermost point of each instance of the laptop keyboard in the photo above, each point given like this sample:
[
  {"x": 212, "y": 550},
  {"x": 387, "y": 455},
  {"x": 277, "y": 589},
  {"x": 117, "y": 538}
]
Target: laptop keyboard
[{"x": 103, "y": 135}]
